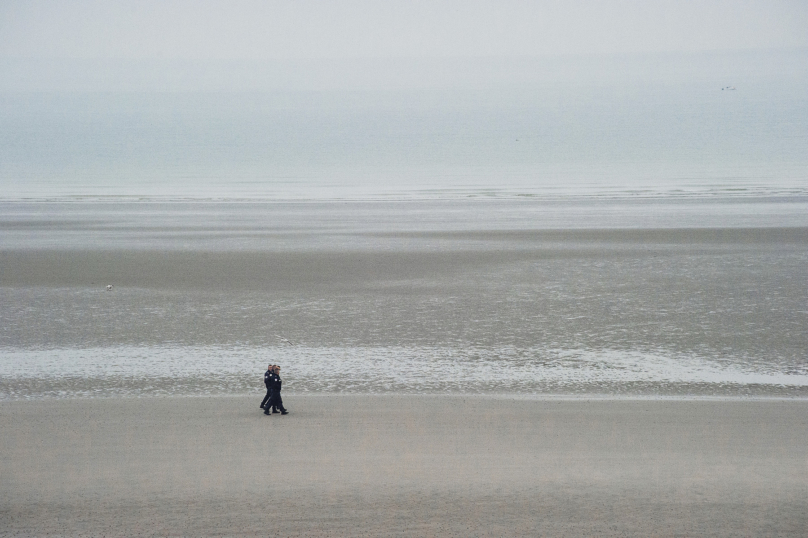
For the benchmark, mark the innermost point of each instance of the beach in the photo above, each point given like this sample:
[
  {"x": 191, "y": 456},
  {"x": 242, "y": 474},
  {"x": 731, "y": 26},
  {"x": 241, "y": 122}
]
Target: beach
[
  {"x": 528, "y": 270},
  {"x": 572, "y": 308},
  {"x": 399, "y": 465},
  {"x": 453, "y": 368}
]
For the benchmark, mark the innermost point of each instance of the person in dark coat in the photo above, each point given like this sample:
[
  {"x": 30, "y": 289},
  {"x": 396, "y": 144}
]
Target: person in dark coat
[
  {"x": 275, "y": 400},
  {"x": 269, "y": 385}
]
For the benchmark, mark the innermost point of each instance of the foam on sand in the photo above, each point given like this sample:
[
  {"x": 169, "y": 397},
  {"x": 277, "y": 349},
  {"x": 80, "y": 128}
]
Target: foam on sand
[{"x": 139, "y": 371}]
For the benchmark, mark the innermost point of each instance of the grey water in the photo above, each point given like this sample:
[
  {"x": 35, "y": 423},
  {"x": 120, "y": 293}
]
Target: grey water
[
  {"x": 701, "y": 124},
  {"x": 634, "y": 234}
]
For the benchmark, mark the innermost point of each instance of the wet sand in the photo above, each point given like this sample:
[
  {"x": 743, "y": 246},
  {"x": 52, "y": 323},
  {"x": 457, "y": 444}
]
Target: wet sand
[
  {"x": 736, "y": 296},
  {"x": 698, "y": 297},
  {"x": 404, "y": 465}
]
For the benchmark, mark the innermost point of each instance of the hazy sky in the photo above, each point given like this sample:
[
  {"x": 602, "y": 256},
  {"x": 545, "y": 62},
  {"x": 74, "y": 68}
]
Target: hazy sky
[{"x": 247, "y": 29}]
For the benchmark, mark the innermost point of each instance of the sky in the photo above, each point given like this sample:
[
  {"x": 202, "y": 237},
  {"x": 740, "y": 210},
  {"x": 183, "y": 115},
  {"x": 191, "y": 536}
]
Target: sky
[{"x": 344, "y": 29}]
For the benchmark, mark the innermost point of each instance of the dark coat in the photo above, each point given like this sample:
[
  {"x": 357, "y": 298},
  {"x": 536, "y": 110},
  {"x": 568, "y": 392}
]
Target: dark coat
[{"x": 275, "y": 389}]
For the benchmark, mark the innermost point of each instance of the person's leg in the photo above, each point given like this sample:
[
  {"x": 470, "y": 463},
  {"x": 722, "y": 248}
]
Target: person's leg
[
  {"x": 268, "y": 406},
  {"x": 279, "y": 402},
  {"x": 266, "y": 398}
]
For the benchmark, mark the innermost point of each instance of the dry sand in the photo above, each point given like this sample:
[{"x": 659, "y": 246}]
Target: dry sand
[{"x": 404, "y": 465}]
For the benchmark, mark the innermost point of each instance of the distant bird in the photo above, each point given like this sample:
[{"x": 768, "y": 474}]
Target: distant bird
[
  {"x": 109, "y": 287},
  {"x": 284, "y": 339}
]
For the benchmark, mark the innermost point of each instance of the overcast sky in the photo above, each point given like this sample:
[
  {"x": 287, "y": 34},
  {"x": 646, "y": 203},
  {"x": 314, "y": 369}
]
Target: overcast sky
[{"x": 246, "y": 29}]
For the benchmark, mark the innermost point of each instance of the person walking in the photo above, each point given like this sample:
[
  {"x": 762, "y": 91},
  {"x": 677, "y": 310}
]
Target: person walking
[
  {"x": 275, "y": 400},
  {"x": 268, "y": 382}
]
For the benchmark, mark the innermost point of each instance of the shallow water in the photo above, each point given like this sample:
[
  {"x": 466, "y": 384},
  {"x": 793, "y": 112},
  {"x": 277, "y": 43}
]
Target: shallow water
[
  {"x": 600, "y": 297},
  {"x": 164, "y": 371}
]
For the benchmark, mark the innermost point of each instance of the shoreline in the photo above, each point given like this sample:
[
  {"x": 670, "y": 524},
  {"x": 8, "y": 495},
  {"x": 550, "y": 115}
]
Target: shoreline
[
  {"x": 456, "y": 395},
  {"x": 793, "y": 193}
]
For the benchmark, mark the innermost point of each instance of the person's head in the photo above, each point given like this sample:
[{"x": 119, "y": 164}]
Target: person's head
[
  {"x": 277, "y": 369},
  {"x": 270, "y": 367}
]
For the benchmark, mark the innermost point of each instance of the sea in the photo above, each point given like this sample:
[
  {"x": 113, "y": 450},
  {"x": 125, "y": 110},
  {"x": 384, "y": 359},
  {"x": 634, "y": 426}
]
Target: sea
[{"x": 616, "y": 227}]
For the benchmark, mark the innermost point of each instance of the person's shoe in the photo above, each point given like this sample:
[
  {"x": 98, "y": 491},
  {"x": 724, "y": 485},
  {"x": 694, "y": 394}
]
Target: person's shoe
[
  {"x": 266, "y": 411},
  {"x": 284, "y": 412}
]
